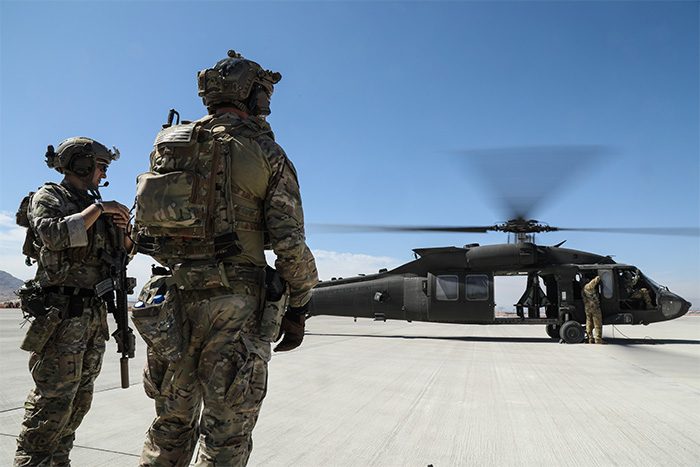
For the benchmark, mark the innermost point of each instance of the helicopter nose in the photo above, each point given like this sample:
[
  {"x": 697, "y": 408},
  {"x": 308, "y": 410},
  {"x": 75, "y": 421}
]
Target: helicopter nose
[{"x": 672, "y": 305}]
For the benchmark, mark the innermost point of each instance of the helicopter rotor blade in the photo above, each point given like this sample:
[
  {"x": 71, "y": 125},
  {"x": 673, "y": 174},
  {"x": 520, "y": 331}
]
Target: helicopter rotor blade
[
  {"x": 341, "y": 228},
  {"x": 524, "y": 178},
  {"x": 511, "y": 226},
  {"x": 671, "y": 231}
]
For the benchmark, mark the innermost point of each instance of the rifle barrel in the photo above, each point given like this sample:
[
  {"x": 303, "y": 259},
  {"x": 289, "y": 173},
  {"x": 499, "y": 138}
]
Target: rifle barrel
[{"x": 124, "y": 371}]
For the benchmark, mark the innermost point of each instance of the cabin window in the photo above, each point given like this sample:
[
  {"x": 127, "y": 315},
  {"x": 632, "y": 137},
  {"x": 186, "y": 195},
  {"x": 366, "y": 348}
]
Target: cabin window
[
  {"x": 477, "y": 287},
  {"x": 606, "y": 279},
  {"x": 447, "y": 288}
]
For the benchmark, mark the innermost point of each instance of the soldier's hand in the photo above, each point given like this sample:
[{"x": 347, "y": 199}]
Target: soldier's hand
[
  {"x": 292, "y": 328},
  {"x": 119, "y": 212}
]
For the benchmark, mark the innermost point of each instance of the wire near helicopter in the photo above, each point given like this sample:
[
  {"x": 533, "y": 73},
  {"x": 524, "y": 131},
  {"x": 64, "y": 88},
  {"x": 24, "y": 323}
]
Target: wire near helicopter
[{"x": 456, "y": 284}]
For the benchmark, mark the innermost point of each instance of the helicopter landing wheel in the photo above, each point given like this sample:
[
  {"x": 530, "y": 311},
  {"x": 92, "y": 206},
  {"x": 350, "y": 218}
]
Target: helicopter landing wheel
[
  {"x": 572, "y": 332},
  {"x": 553, "y": 331}
]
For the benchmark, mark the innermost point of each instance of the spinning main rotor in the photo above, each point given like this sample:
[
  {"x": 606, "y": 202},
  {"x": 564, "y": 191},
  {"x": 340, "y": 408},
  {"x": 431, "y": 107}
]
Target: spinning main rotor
[{"x": 524, "y": 178}]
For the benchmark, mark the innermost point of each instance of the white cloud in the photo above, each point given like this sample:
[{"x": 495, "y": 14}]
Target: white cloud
[
  {"x": 336, "y": 264},
  {"x": 11, "y": 235},
  {"x": 7, "y": 219},
  {"x": 13, "y": 263}
]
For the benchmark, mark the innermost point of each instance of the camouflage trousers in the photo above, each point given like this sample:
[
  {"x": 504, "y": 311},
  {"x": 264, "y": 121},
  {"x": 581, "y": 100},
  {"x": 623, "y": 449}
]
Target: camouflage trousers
[
  {"x": 594, "y": 320},
  {"x": 64, "y": 374},
  {"x": 222, "y": 375},
  {"x": 642, "y": 296}
]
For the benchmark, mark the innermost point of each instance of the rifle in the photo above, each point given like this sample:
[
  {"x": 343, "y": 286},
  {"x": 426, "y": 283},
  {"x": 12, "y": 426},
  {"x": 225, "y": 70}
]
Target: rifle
[{"x": 123, "y": 286}]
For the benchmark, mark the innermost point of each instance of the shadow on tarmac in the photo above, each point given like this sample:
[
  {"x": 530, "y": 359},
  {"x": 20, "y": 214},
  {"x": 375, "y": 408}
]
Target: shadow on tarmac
[
  {"x": 532, "y": 340},
  {"x": 648, "y": 341},
  {"x": 443, "y": 338}
]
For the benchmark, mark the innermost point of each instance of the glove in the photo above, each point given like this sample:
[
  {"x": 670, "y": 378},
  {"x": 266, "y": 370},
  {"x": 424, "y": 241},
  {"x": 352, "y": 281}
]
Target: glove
[{"x": 292, "y": 328}]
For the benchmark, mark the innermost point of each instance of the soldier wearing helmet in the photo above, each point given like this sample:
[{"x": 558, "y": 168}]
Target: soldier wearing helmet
[
  {"x": 222, "y": 294},
  {"x": 239, "y": 82},
  {"x": 66, "y": 236},
  {"x": 79, "y": 156}
]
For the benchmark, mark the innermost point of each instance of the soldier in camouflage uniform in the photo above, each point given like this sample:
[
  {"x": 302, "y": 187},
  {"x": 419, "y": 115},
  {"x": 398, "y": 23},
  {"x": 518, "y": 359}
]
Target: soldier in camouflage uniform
[
  {"x": 636, "y": 297},
  {"x": 222, "y": 372},
  {"x": 66, "y": 233},
  {"x": 594, "y": 317}
]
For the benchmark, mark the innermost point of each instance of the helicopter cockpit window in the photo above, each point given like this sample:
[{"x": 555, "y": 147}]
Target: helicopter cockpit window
[
  {"x": 477, "y": 287},
  {"x": 606, "y": 280},
  {"x": 447, "y": 288},
  {"x": 649, "y": 282}
]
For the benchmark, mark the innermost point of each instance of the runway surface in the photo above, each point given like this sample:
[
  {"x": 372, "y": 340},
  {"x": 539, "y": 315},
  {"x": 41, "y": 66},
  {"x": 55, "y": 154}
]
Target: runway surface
[{"x": 414, "y": 394}]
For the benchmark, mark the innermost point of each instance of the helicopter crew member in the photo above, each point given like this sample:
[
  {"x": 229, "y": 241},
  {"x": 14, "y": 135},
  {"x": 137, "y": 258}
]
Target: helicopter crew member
[
  {"x": 594, "y": 317},
  {"x": 223, "y": 366},
  {"x": 66, "y": 235},
  {"x": 635, "y": 295}
]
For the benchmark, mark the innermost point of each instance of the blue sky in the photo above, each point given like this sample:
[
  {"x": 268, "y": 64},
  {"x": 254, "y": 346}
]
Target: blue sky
[{"x": 375, "y": 102}]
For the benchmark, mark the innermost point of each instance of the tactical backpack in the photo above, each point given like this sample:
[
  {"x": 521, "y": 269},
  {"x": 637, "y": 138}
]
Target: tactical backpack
[
  {"x": 31, "y": 247},
  {"x": 184, "y": 204}
]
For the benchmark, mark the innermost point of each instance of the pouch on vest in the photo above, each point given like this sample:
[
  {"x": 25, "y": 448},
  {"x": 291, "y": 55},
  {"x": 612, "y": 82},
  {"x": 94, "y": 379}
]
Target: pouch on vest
[
  {"x": 183, "y": 204},
  {"x": 157, "y": 317},
  {"x": 167, "y": 204}
]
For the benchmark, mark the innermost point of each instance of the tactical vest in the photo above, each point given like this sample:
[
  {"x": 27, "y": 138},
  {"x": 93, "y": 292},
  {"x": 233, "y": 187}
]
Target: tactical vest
[
  {"x": 185, "y": 206},
  {"x": 57, "y": 264}
]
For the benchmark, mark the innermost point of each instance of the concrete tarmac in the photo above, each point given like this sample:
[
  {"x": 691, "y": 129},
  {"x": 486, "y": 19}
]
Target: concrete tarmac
[{"x": 418, "y": 394}]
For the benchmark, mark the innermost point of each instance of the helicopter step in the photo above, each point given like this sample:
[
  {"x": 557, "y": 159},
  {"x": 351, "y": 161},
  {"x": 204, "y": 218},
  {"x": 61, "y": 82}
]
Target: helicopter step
[
  {"x": 620, "y": 318},
  {"x": 553, "y": 321}
]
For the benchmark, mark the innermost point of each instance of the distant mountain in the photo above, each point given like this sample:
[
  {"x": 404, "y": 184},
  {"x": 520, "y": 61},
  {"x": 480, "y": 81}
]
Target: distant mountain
[{"x": 8, "y": 285}]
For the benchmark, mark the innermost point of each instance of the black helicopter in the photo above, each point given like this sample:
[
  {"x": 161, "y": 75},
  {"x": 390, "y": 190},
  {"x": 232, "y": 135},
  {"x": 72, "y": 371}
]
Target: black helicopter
[{"x": 456, "y": 284}]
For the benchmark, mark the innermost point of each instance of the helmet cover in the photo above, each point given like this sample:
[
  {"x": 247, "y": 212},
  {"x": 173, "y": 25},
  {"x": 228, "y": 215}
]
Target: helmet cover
[
  {"x": 72, "y": 151},
  {"x": 237, "y": 80}
]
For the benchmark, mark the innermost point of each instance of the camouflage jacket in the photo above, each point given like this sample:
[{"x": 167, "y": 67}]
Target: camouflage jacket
[
  {"x": 266, "y": 203},
  {"x": 69, "y": 253},
  {"x": 590, "y": 290},
  {"x": 270, "y": 186}
]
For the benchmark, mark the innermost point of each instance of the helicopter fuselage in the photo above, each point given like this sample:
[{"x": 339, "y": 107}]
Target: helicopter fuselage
[{"x": 456, "y": 285}]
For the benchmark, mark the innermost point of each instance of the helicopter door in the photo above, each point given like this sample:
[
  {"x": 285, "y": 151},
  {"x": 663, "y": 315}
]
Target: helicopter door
[
  {"x": 462, "y": 298},
  {"x": 608, "y": 296}
]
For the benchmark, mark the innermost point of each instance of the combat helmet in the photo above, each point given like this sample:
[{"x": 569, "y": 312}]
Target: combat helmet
[
  {"x": 238, "y": 81},
  {"x": 78, "y": 156}
]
